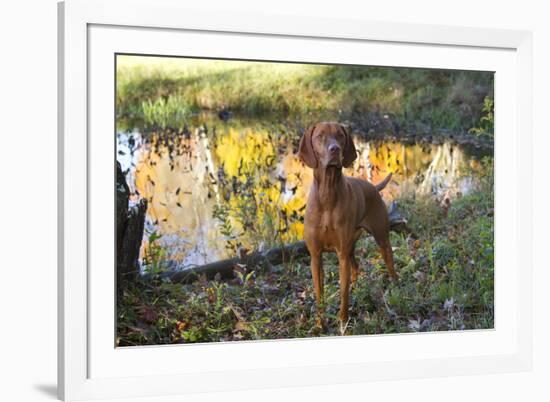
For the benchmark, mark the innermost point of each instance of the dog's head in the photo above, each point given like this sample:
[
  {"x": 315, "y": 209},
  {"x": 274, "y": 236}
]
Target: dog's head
[{"x": 327, "y": 145}]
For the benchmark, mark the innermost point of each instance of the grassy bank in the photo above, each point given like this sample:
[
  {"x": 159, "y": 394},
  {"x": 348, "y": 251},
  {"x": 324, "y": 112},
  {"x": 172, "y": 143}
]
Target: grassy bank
[
  {"x": 446, "y": 283},
  {"x": 167, "y": 91}
]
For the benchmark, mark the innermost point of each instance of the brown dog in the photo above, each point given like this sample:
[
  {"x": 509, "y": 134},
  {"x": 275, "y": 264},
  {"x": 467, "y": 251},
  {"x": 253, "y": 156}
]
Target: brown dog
[{"x": 339, "y": 207}]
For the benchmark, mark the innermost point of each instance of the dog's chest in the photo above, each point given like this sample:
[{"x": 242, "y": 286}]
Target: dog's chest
[
  {"x": 327, "y": 223},
  {"x": 327, "y": 228}
]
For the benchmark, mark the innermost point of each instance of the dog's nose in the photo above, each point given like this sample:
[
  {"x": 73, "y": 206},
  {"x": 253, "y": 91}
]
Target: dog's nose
[{"x": 333, "y": 148}]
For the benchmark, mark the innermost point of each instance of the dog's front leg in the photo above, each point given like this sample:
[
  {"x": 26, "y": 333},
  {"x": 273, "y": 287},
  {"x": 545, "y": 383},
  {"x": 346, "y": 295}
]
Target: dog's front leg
[
  {"x": 345, "y": 279},
  {"x": 318, "y": 282}
]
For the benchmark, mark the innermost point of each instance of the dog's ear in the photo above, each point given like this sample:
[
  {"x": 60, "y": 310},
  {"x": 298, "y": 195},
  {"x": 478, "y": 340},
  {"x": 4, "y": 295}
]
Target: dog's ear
[
  {"x": 350, "y": 154},
  {"x": 306, "y": 152}
]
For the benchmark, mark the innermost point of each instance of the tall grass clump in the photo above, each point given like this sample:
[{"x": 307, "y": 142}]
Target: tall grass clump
[
  {"x": 486, "y": 125},
  {"x": 171, "y": 111}
]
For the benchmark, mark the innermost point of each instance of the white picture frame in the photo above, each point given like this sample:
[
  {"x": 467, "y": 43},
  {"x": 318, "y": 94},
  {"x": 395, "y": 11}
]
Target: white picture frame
[{"x": 90, "y": 367}]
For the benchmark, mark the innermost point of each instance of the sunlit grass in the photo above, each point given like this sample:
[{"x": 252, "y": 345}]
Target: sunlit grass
[
  {"x": 247, "y": 87},
  {"x": 161, "y": 91}
]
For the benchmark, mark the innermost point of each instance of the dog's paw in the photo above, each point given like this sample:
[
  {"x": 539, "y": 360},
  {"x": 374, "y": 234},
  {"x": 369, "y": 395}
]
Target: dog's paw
[
  {"x": 343, "y": 327},
  {"x": 320, "y": 322}
]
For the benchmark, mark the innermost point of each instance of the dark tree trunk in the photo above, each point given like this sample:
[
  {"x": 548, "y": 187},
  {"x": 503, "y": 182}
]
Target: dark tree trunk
[
  {"x": 122, "y": 197},
  {"x": 130, "y": 224}
]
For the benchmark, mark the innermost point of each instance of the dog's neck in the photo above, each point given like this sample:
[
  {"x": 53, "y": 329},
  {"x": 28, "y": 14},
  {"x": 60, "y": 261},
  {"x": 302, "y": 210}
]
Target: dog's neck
[{"x": 328, "y": 182}]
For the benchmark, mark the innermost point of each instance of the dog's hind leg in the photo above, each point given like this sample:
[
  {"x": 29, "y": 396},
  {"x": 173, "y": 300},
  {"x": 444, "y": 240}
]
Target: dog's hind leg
[
  {"x": 377, "y": 224},
  {"x": 387, "y": 253},
  {"x": 354, "y": 267}
]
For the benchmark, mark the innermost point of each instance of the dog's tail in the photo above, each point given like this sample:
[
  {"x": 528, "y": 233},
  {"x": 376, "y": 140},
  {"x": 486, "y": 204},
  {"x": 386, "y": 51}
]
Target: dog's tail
[{"x": 380, "y": 186}]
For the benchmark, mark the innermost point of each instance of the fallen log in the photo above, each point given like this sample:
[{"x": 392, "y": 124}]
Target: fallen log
[
  {"x": 224, "y": 268},
  {"x": 273, "y": 256}
]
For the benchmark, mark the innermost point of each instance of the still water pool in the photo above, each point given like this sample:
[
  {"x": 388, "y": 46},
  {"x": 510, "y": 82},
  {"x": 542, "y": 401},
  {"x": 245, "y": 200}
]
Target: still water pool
[{"x": 218, "y": 187}]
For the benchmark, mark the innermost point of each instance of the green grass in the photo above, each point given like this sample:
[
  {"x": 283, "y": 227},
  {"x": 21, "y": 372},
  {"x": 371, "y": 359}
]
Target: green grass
[
  {"x": 446, "y": 283},
  {"x": 154, "y": 91}
]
